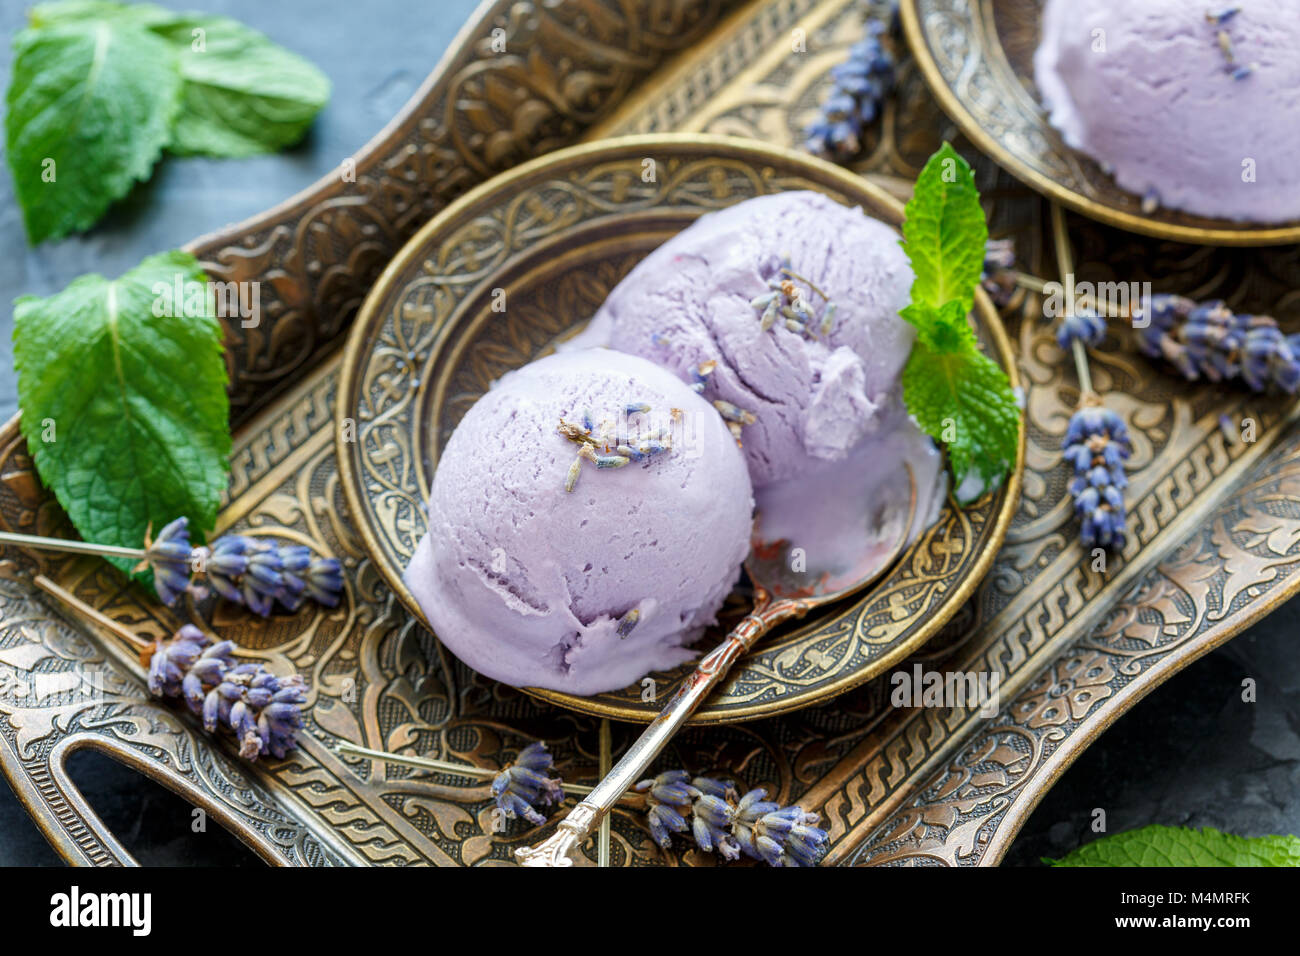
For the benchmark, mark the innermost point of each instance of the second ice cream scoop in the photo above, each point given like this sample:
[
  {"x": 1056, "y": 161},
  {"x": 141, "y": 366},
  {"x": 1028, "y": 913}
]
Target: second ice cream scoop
[{"x": 782, "y": 311}]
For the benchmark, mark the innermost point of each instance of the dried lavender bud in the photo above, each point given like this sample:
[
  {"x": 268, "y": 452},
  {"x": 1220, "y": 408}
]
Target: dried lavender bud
[
  {"x": 777, "y": 835},
  {"x": 628, "y": 622},
  {"x": 734, "y": 413},
  {"x": 1096, "y": 446},
  {"x": 1208, "y": 340},
  {"x": 323, "y": 581},
  {"x": 700, "y": 375},
  {"x": 169, "y": 556},
  {"x": 998, "y": 277},
  {"x": 719, "y": 820},
  {"x": 1081, "y": 325},
  {"x": 859, "y": 87},
  {"x": 785, "y": 299},
  {"x": 522, "y": 785},
  {"x": 262, "y": 710},
  {"x": 828, "y": 319},
  {"x": 633, "y": 454},
  {"x": 578, "y": 434},
  {"x": 602, "y": 460},
  {"x": 257, "y": 573},
  {"x": 248, "y": 571},
  {"x": 588, "y": 437},
  {"x": 668, "y": 800}
]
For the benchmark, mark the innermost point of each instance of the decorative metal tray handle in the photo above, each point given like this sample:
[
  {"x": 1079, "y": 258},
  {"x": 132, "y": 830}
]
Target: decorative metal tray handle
[
  {"x": 582, "y": 819},
  {"x": 315, "y": 256}
]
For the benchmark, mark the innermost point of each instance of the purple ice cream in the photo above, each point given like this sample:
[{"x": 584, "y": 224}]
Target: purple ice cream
[
  {"x": 1191, "y": 105},
  {"x": 583, "y": 590},
  {"x": 829, "y": 435}
]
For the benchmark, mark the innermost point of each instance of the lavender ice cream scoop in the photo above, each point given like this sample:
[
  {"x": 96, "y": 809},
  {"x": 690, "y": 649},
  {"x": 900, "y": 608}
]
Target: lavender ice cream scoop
[
  {"x": 583, "y": 590},
  {"x": 1191, "y": 105},
  {"x": 823, "y": 427}
]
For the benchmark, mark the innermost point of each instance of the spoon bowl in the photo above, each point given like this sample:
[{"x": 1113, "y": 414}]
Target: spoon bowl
[{"x": 768, "y": 612}]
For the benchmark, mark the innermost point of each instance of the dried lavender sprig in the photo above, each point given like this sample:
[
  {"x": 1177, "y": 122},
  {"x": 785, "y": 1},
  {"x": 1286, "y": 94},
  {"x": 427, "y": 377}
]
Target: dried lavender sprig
[
  {"x": 258, "y": 572},
  {"x": 1205, "y": 339},
  {"x": 1208, "y": 340},
  {"x": 1096, "y": 446},
  {"x": 248, "y": 571},
  {"x": 859, "y": 87},
  {"x": 777, "y": 835},
  {"x": 523, "y": 785},
  {"x": 711, "y": 811},
  {"x": 721, "y": 820},
  {"x": 262, "y": 710}
]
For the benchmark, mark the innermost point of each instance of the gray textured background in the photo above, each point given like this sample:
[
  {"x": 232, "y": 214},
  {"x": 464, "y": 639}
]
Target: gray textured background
[{"x": 1191, "y": 753}]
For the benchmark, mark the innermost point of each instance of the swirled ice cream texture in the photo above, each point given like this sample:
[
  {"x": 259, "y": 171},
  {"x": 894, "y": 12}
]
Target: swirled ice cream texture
[
  {"x": 827, "y": 450},
  {"x": 589, "y": 590},
  {"x": 1147, "y": 89}
]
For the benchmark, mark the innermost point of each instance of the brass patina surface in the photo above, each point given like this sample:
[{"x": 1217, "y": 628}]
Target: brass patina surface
[{"x": 1215, "y": 522}]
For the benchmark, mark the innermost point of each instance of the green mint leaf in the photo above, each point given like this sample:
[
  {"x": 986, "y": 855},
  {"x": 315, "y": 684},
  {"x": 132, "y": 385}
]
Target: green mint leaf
[
  {"x": 959, "y": 396},
  {"x": 956, "y": 393},
  {"x": 90, "y": 108},
  {"x": 944, "y": 232},
  {"x": 943, "y": 329},
  {"x": 243, "y": 94},
  {"x": 125, "y": 409},
  {"x": 1180, "y": 846},
  {"x": 63, "y": 11}
]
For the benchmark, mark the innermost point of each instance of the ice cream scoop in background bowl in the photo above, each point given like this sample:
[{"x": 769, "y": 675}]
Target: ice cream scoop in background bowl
[
  {"x": 514, "y": 269},
  {"x": 1146, "y": 87}
]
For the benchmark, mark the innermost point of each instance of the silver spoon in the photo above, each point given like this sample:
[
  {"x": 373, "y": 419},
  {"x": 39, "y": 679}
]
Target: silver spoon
[{"x": 777, "y": 598}]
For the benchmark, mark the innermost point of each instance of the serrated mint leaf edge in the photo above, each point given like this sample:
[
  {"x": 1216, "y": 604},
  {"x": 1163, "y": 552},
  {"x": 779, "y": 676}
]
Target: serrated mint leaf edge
[
  {"x": 991, "y": 464},
  {"x": 175, "y": 262},
  {"x": 1206, "y": 839},
  {"x": 932, "y": 248},
  {"x": 119, "y": 185}
]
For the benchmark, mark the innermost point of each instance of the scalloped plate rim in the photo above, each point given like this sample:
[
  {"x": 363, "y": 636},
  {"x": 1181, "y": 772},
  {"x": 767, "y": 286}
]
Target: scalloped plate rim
[{"x": 1228, "y": 233}]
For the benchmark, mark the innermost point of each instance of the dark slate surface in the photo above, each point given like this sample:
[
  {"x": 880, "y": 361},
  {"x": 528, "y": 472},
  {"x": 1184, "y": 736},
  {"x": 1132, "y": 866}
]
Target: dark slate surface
[{"x": 1191, "y": 753}]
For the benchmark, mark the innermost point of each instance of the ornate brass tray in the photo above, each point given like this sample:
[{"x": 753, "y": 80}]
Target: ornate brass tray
[
  {"x": 1216, "y": 524},
  {"x": 556, "y": 235},
  {"x": 977, "y": 56}
]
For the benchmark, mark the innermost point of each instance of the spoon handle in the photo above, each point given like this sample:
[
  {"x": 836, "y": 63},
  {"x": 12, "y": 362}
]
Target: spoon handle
[{"x": 582, "y": 819}]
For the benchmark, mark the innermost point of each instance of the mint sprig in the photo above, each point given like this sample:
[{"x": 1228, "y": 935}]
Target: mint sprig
[
  {"x": 90, "y": 108},
  {"x": 242, "y": 94},
  {"x": 1156, "y": 845},
  {"x": 122, "y": 387},
  {"x": 99, "y": 89},
  {"x": 956, "y": 393}
]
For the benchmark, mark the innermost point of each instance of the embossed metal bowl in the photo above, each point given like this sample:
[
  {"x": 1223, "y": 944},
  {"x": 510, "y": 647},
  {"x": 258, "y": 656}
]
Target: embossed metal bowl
[
  {"x": 557, "y": 234},
  {"x": 977, "y": 57}
]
